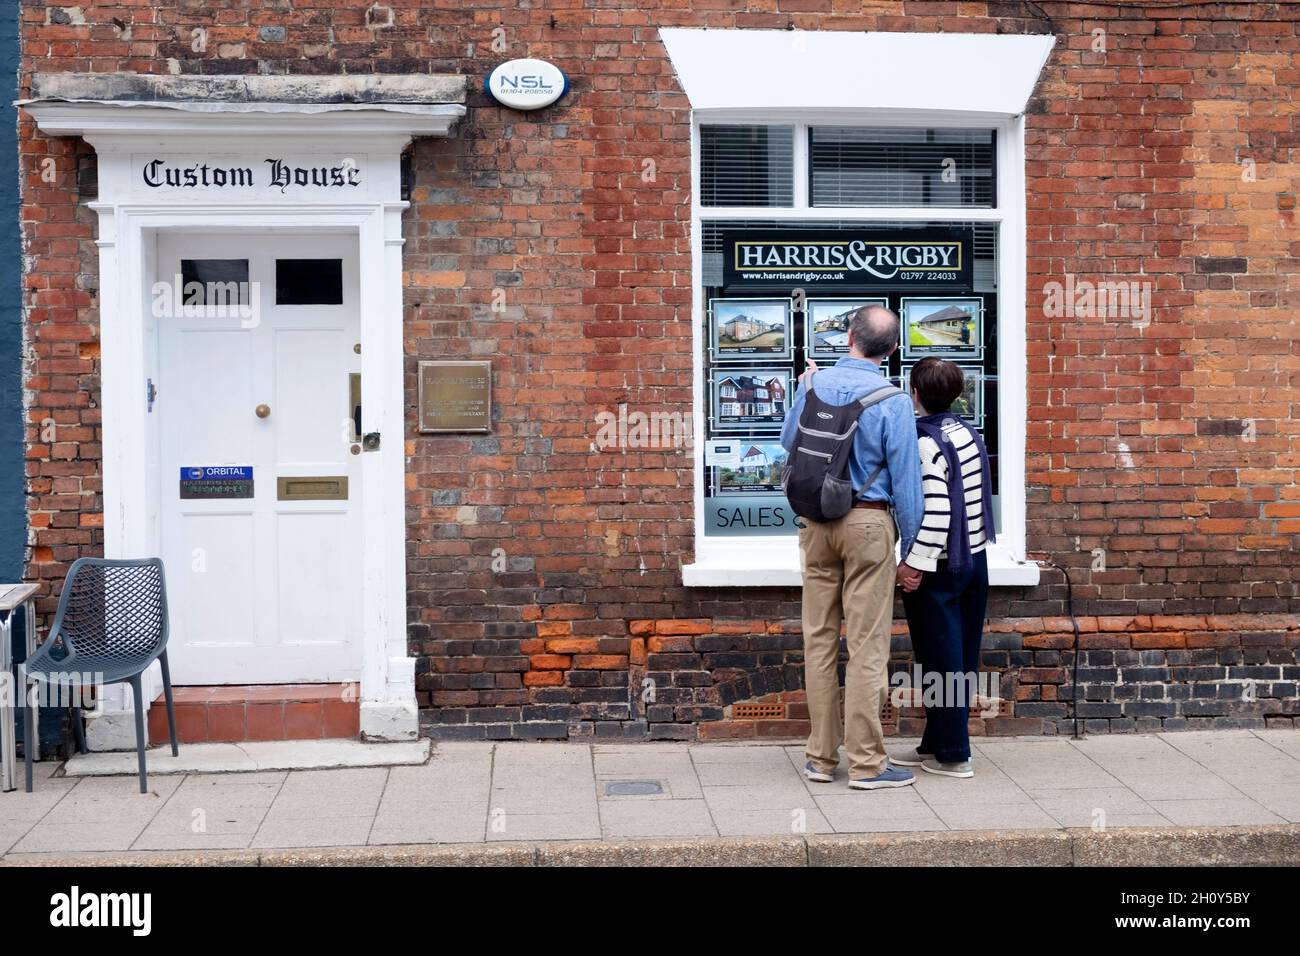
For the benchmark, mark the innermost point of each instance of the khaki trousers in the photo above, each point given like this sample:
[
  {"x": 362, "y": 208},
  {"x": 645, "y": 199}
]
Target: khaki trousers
[{"x": 848, "y": 574}]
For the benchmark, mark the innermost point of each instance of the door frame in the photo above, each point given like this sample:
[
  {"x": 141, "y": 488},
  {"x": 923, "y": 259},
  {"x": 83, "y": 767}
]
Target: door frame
[{"x": 131, "y": 467}]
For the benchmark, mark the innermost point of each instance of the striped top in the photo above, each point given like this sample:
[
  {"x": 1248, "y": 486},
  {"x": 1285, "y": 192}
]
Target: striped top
[{"x": 932, "y": 543}]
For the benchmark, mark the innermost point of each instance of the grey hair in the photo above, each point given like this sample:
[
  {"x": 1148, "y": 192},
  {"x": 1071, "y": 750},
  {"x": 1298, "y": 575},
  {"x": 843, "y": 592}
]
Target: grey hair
[{"x": 874, "y": 330}]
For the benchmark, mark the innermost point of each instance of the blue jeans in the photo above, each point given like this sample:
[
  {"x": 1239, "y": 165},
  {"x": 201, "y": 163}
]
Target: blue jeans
[{"x": 945, "y": 616}]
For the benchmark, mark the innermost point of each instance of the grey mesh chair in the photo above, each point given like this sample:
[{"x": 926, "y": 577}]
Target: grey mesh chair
[{"x": 110, "y": 626}]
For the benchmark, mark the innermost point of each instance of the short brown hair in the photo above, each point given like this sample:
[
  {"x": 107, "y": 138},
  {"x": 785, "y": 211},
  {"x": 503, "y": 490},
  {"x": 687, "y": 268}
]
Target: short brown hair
[{"x": 937, "y": 384}]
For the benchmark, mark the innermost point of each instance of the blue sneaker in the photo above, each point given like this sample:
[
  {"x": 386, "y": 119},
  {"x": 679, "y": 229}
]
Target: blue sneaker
[
  {"x": 815, "y": 775},
  {"x": 889, "y": 777}
]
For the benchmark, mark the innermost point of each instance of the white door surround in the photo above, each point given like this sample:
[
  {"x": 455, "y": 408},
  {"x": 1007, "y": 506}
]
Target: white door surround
[{"x": 207, "y": 167}]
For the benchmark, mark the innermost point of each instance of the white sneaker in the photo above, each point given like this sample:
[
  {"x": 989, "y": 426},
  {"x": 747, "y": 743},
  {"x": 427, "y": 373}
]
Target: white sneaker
[{"x": 963, "y": 769}]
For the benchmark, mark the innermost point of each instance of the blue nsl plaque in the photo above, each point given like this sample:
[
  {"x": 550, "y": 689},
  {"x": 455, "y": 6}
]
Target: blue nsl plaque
[{"x": 216, "y": 481}]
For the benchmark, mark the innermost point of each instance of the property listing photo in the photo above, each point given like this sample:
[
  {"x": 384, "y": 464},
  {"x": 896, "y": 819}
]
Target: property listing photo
[
  {"x": 750, "y": 398},
  {"x": 749, "y": 327},
  {"x": 827, "y": 322},
  {"x": 943, "y": 327}
]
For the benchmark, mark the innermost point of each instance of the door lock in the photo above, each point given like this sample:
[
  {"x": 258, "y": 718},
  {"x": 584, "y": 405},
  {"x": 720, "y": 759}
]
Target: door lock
[
  {"x": 371, "y": 441},
  {"x": 354, "y": 404}
]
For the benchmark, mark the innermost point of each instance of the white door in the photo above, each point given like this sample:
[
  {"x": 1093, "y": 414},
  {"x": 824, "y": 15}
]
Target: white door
[{"x": 263, "y": 567}]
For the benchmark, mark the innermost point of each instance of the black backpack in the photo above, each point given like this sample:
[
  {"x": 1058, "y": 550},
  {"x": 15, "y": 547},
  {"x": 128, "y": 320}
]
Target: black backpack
[{"x": 816, "y": 478}]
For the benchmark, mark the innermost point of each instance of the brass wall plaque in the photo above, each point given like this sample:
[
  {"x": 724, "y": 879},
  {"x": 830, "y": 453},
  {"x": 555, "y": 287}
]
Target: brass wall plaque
[
  {"x": 312, "y": 488},
  {"x": 455, "y": 396}
]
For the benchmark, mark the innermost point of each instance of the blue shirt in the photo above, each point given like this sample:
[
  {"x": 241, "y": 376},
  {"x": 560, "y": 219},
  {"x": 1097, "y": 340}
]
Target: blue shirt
[{"x": 886, "y": 432}]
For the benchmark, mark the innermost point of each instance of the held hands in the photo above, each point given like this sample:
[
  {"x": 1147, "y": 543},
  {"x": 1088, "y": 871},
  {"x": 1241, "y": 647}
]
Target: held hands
[{"x": 909, "y": 578}]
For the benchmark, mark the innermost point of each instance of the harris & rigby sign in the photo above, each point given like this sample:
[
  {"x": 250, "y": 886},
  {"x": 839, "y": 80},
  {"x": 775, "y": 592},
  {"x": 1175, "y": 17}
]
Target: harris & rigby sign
[{"x": 849, "y": 259}]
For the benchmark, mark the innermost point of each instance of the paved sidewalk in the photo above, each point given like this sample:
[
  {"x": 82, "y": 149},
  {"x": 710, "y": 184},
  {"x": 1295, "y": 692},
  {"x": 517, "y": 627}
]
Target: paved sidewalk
[{"x": 483, "y": 793}]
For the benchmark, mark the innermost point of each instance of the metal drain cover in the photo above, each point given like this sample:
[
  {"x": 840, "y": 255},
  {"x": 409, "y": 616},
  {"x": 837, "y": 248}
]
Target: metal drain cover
[{"x": 633, "y": 788}]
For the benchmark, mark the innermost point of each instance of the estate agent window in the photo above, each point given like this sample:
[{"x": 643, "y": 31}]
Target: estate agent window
[{"x": 797, "y": 224}]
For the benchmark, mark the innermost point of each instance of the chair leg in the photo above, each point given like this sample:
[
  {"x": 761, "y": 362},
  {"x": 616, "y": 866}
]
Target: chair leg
[
  {"x": 167, "y": 694},
  {"x": 138, "y": 693},
  {"x": 78, "y": 721},
  {"x": 29, "y": 733}
]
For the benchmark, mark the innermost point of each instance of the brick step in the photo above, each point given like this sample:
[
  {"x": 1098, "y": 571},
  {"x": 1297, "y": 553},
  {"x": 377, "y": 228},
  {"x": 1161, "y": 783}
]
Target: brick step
[{"x": 236, "y": 713}]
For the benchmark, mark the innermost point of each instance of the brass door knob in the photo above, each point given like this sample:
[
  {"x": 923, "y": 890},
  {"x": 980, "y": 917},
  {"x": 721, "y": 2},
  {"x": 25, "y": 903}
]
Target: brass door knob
[{"x": 262, "y": 411}]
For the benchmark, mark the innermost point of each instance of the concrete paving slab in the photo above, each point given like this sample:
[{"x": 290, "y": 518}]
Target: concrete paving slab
[
  {"x": 242, "y": 757},
  {"x": 412, "y": 790},
  {"x": 878, "y": 811},
  {"x": 543, "y": 826},
  {"x": 989, "y": 786},
  {"x": 576, "y": 800},
  {"x": 677, "y": 777},
  {"x": 209, "y": 792},
  {"x": 323, "y": 793},
  {"x": 1239, "y": 757},
  {"x": 1191, "y": 813},
  {"x": 785, "y": 797},
  {"x": 462, "y": 747},
  {"x": 192, "y": 841},
  {"x": 21, "y": 805},
  {"x": 662, "y": 818},
  {"x": 1186, "y": 781},
  {"x": 548, "y": 753},
  {"x": 1116, "y": 820},
  {"x": 312, "y": 831},
  {"x": 1288, "y": 741},
  {"x": 1115, "y": 745},
  {"x": 537, "y": 777},
  {"x": 102, "y": 834},
  {"x": 1155, "y": 770},
  {"x": 644, "y": 748},
  {"x": 991, "y": 816},
  {"x": 1103, "y": 806},
  {"x": 1281, "y": 799},
  {"x": 759, "y": 822},
  {"x": 177, "y": 827},
  {"x": 1036, "y": 766},
  {"x": 624, "y": 764},
  {"x": 752, "y": 756},
  {"x": 439, "y": 829},
  {"x": 741, "y": 774}
]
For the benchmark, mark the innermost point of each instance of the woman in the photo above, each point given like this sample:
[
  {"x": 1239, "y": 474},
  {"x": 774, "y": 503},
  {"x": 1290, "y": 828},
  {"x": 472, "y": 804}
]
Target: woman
[{"x": 945, "y": 576}]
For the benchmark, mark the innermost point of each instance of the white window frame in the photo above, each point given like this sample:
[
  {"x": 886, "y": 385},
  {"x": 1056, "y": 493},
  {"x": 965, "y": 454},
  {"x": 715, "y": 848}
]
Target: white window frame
[{"x": 768, "y": 560}]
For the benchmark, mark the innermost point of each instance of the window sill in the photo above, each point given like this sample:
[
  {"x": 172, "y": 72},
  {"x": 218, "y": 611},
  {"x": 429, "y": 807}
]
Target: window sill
[{"x": 774, "y": 562}]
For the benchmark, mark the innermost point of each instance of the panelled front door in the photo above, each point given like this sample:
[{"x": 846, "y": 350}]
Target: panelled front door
[{"x": 258, "y": 392}]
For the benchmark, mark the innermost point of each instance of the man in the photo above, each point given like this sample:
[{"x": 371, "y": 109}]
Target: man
[{"x": 849, "y": 568}]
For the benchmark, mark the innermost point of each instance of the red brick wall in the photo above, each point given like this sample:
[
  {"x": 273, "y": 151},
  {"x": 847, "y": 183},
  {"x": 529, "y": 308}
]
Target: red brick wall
[{"x": 536, "y": 241}]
